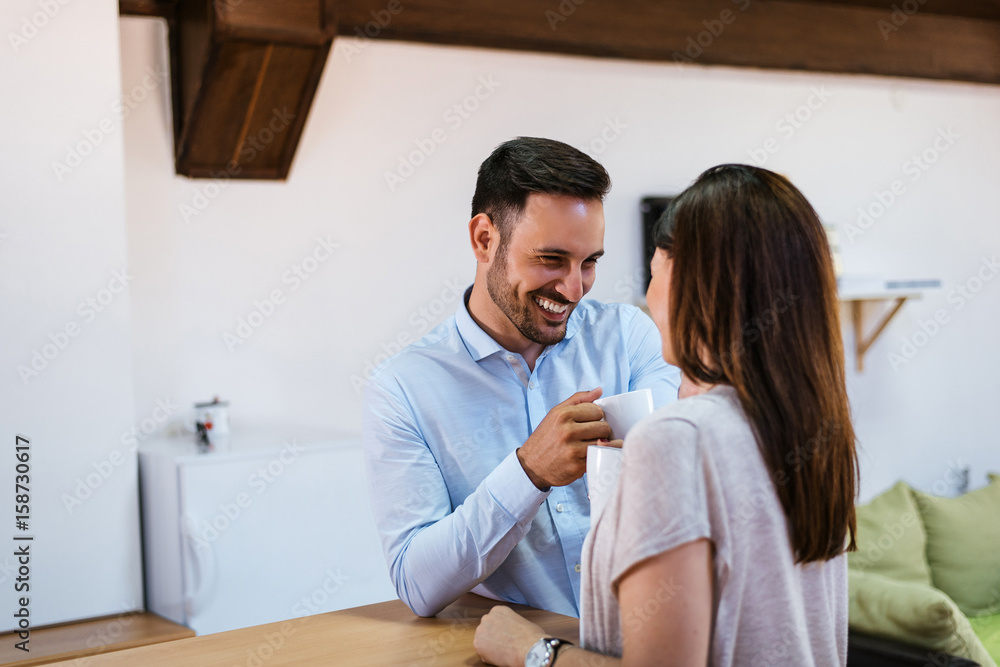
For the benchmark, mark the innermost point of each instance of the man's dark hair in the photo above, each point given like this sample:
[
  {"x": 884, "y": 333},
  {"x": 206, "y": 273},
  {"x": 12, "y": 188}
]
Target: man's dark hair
[{"x": 525, "y": 165}]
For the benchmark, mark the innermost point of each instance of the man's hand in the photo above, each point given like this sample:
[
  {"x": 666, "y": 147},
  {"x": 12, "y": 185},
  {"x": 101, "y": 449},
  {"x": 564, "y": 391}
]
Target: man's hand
[{"x": 556, "y": 453}]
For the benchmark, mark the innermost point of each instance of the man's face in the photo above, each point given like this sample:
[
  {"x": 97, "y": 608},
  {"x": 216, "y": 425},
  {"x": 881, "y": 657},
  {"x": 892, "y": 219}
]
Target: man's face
[{"x": 548, "y": 265}]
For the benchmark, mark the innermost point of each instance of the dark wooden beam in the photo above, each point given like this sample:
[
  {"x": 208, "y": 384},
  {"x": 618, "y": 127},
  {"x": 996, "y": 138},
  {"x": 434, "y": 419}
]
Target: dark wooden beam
[
  {"x": 165, "y": 9},
  {"x": 243, "y": 77},
  {"x": 972, "y": 9},
  {"x": 244, "y": 72},
  {"x": 168, "y": 11},
  {"x": 852, "y": 37}
]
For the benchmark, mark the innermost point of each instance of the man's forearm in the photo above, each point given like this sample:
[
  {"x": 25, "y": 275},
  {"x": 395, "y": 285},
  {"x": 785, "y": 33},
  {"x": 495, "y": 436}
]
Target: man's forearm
[
  {"x": 441, "y": 561},
  {"x": 445, "y": 560}
]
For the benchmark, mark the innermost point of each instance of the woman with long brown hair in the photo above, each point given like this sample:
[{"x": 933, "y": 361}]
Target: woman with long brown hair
[{"x": 724, "y": 542}]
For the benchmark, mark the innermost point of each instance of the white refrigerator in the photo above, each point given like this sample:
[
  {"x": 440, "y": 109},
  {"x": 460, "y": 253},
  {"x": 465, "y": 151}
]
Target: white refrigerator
[{"x": 268, "y": 530}]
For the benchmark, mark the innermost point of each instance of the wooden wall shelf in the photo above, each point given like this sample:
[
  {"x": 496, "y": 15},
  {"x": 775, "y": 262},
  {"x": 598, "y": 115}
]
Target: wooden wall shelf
[
  {"x": 856, "y": 301},
  {"x": 863, "y": 342}
]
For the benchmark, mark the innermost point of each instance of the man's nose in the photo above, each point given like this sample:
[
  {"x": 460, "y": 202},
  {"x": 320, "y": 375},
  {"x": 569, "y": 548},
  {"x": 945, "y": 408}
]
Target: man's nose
[{"x": 571, "y": 286}]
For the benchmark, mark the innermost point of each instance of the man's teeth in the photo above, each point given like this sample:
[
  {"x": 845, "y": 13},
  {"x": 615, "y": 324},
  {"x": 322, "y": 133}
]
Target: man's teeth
[{"x": 550, "y": 306}]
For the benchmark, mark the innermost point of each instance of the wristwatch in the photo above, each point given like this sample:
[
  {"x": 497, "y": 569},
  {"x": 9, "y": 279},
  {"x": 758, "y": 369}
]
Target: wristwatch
[{"x": 543, "y": 653}]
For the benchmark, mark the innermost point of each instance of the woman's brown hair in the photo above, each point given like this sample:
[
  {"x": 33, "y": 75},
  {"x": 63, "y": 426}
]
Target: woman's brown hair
[{"x": 753, "y": 304}]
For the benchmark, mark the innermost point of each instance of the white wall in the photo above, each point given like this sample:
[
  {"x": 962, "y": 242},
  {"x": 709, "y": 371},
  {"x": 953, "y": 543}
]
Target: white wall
[
  {"x": 400, "y": 251},
  {"x": 62, "y": 241}
]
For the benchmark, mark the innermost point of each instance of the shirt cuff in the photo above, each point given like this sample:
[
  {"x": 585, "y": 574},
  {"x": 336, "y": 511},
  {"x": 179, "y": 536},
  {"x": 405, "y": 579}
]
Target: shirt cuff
[{"x": 512, "y": 490}]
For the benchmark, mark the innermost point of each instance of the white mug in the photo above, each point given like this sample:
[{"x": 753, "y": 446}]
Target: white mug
[
  {"x": 604, "y": 465},
  {"x": 623, "y": 411},
  {"x": 213, "y": 416}
]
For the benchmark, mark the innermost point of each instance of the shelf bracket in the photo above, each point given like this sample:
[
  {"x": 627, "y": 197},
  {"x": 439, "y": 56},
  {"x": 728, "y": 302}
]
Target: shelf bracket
[{"x": 861, "y": 342}]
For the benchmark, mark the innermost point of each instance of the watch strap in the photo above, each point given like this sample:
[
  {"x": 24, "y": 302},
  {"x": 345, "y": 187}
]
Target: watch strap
[
  {"x": 556, "y": 644},
  {"x": 552, "y": 644}
]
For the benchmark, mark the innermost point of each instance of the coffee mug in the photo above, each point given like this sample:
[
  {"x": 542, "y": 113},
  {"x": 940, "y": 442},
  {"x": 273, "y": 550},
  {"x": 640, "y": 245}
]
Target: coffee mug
[
  {"x": 623, "y": 411},
  {"x": 212, "y": 422},
  {"x": 604, "y": 464}
]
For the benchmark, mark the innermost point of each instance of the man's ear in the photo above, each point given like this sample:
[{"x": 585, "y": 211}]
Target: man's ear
[{"x": 484, "y": 236}]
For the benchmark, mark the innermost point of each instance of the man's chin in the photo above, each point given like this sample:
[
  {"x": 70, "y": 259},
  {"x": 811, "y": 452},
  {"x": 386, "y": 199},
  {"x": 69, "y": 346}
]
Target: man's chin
[
  {"x": 536, "y": 327},
  {"x": 550, "y": 333}
]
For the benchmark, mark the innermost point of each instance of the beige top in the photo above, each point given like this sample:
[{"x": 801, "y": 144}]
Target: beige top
[{"x": 693, "y": 470}]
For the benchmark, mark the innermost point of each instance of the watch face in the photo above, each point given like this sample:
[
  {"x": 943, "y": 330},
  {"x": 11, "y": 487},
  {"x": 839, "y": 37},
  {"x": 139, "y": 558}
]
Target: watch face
[{"x": 540, "y": 655}]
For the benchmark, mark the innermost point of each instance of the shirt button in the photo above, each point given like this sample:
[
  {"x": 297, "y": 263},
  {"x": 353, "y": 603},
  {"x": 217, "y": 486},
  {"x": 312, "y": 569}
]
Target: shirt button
[
  {"x": 531, "y": 385},
  {"x": 510, "y": 358},
  {"x": 577, "y": 568},
  {"x": 559, "y": 507}
]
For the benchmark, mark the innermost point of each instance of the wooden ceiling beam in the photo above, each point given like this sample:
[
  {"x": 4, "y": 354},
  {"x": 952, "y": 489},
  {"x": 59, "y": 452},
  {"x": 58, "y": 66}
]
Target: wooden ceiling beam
[
  {"x": 243, "y": 77},
  {"x": 988, "y": 10},
  {"x": 244, "y": 72},
  {"x": 851, "y": 36},
  {"x": 165, "y": 9}
]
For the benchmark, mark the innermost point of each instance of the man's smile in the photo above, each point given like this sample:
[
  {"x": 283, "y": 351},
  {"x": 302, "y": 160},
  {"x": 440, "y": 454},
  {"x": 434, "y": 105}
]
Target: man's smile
[{"x": 551, "y": 310}]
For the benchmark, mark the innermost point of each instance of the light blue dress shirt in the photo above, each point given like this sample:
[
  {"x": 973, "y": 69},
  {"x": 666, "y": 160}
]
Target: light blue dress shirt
[{"x": 442, "y": 420}]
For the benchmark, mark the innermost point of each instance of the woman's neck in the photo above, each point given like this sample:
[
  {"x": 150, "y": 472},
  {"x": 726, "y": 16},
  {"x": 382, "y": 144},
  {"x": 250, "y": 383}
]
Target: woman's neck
[{"x": 691, "y": 387}]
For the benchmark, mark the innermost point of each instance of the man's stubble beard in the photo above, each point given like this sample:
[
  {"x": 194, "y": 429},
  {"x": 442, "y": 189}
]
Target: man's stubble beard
[{"x": 520, "y": 314}]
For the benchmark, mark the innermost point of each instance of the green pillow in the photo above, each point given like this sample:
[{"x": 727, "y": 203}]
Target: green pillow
[
  {"x": 890, "y": 538},
  {"x": 963, "y": 546},
  {"x": 913, "y": 614},
  {"x": 987, "y": 628}
]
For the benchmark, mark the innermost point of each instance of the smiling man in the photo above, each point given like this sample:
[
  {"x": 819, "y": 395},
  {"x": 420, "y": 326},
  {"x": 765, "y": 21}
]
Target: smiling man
[{"x": 476, "y": 436}]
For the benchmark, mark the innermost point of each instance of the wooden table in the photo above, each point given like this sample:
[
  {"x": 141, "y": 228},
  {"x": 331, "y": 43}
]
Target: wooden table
[
  {"x": 81, "y": 639},
  {"x": 382, "y": 635}
]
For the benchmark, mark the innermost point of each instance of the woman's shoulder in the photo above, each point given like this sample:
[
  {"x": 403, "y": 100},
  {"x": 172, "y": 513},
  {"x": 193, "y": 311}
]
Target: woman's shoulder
[
  {"x": 718, "y": 405},
  {"x": 712, "y": 416}
]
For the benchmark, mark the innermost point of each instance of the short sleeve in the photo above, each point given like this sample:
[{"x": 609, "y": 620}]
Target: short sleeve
[{"x": 661, "y": 501}]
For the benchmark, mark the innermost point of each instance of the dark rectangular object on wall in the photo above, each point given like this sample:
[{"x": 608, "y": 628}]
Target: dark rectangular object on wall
[
  {"x": 247, "y": 74},
  {"x": 651, "y": 208}
]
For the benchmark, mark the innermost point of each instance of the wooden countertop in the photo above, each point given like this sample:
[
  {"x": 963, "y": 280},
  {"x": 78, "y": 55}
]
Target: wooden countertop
[
  {"x": 83, "y": 639},
  {"x": 381, "y": 635}
]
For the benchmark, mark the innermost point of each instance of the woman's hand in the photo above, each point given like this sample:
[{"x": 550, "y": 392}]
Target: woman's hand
[{"x": 504, "y": 638}]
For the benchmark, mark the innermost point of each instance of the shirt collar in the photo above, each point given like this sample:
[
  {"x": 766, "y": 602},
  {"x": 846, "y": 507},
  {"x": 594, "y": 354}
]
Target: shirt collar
[{"x": 481, "y": 345}]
